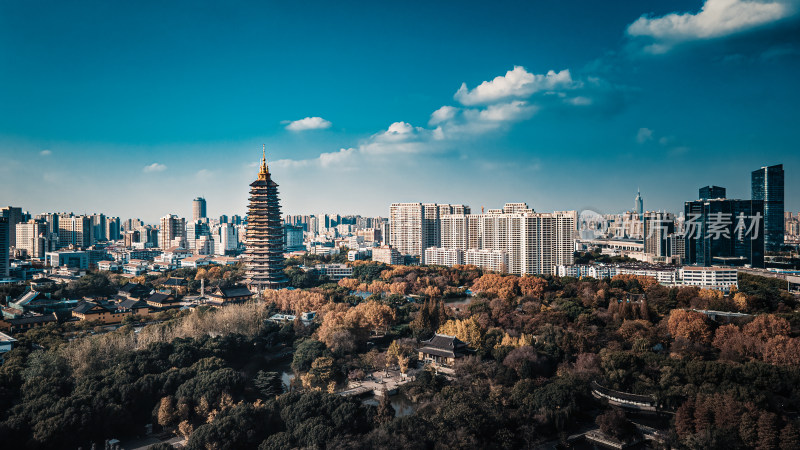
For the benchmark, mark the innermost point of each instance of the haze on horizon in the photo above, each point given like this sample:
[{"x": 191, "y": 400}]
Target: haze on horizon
[{"x": 135, "y": 109}]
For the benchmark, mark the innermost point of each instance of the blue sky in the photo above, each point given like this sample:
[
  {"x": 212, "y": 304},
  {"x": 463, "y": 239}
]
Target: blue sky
[{"x": 134, "y": 109}]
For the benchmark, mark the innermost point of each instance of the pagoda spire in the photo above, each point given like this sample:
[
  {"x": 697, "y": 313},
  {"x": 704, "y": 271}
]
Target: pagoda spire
[{"x": 262, "y": 174}]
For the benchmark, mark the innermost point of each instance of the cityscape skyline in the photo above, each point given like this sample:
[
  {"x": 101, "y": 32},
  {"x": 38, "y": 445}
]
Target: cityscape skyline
[{"x": 163, "y": 112}]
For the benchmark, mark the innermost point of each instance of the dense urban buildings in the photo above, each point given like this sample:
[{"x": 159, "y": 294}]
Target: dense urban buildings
[
  {"x": 264, "y": 236},
  {"x": 417, "y": 226},
  {"x": 514, "y": 239},
  {"x": 767, "y": 186}
]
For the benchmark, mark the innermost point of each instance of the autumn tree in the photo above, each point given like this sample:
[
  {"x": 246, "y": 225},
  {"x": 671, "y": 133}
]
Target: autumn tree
[{"x": 689, "y": 325}]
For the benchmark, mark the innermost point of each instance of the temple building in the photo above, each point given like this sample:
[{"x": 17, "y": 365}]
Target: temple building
[{"x": 264, "y": 237}]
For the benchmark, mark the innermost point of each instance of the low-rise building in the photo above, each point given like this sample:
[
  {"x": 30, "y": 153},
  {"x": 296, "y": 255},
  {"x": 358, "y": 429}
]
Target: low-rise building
[
  {"x": 6, "y": 345},
  {"x": 442, "y": 350},
  {"x": 494, "y": 260},
  {"x": 719, "y": 278},
  {"x": 229, "y": 295},
  {"x": 108, "y": 266},
  {"x": 449, "y": 257},
  {"x": 387, "y": 255},
  {"x": 194, "y": 262},
  {"x": 160, "y": 300},
  {"x": 333, "y": 271}
]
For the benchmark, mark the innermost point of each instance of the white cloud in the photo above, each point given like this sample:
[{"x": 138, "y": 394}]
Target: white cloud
[
  {"x": 443, "y": 114},
  {"x": 309, "y": 123},
  {"x": 155, "y": 167},
  {"x": 644, "y": 135},
  {"x": 340, "y": 157},
  {"x": 717, "y": 18},
  {"x": 45, "y": 153},
  {"x": 516, "y": 83}
]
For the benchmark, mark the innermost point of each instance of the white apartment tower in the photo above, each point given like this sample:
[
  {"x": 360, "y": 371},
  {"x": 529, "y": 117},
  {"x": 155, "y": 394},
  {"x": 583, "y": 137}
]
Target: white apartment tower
[
  {"x": 417, "y": 226},
  {"x": 513, "y": 239}
]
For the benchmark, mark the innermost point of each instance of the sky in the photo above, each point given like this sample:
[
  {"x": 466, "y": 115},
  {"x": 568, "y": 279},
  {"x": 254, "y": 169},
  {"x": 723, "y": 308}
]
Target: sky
[{"x": 135, "y": 108}]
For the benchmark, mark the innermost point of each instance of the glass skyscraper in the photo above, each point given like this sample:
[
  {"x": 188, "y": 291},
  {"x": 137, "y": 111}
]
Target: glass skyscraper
[
  {"x": 767, "y": 186},
  {"x": 724, "y": 232}
]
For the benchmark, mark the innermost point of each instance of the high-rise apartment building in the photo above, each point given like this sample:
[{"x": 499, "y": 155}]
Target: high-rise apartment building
[
  {"x": 195, "y": 230},
  {"x": 226, "y": 239},
  {"x": 14, "y": 216},
  {"x": 172, "y": 232},
  {"x": 4, "y": 247},
  {"x": 32, "y": 236},
  {"x": 198, "y": 208},
  {"x": 657, "y": 227},
  {"x": 75, "y": 231},
  {"x": 767, "y": 186},
  {"x": 99, "y": 227},
  {"x": 264, "y": 236},
  {"x": 513, "y": 239},
  {"x": 417, "y": 226},
  {"x": 113, "y": 229}
]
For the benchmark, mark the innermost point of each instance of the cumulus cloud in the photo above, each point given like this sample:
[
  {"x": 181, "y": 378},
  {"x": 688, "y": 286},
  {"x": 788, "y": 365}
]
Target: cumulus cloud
[
  {"x": 443, "y": 114},
  {"x": 516, "y": 83},
  {"x": 644, "y": 135},
  {"x": 309, "y": 123},
  {"x": 155, "y": 167},
  {"x": 716, "y": 19},
  {"x": 45, "y": 153}
]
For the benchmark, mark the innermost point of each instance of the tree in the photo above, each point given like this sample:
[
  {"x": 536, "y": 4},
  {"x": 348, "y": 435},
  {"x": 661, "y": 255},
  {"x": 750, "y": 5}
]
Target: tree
[
  {"x": 385, "y": 412},
  {"x": 790, "y": 437},
  {"x": 689, "y": 325},
  {"x": 307, "y": 351},
  {"x": 614, "y": 423},
  {"x": 185, "y": 428},
  {"x": 269, "y": 384},
  {"x": 167, "y": 414},
  {"x": 767, "y": 431}
]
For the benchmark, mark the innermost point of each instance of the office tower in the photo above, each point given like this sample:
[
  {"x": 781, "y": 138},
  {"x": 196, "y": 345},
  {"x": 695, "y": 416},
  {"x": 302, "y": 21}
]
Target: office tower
[
  {"x": 194, "y": 230},
  {"x": 75, "y": 231},
  {"x": 31, "y": 236},
  {"x": 767, "y": 186},
  {"x": 657, "y": 227},
  {"x": 198, "y": 208},
  {"x": 724, "y": 232},
  {"x": 4, "y": 247},
  {"x": 14, "y": 216},
  {"x": 292, "y": 238},
  {"x": 98, "y": 227},
  {"x": 416, "y": 226},
  {"x": 172, "y": 232},
  {"x": 113, "y": 229},
  {"x": 264, "y": 234},
  {"x": 223, "y": 219},
  {"x": 709, "y": 192},
  {"x": 639, "y": 203}
]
